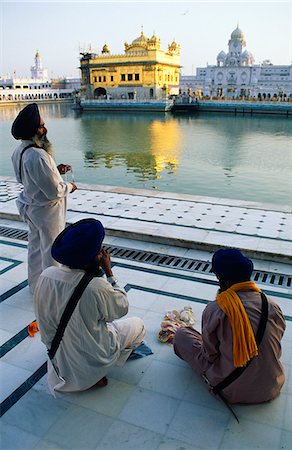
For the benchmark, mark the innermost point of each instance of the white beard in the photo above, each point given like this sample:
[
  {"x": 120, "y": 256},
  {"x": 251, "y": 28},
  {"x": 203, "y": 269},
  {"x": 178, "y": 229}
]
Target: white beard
[{"x": 44, "y": 143}]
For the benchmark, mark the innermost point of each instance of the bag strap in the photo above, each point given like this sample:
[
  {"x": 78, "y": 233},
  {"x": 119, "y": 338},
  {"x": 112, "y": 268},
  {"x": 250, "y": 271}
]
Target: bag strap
[
  {"x": 68, "y": 311},
  {"x": 263, "y": 319},
  {"x": 20, "y": 161},
  {"x": 259, "y": 336}
]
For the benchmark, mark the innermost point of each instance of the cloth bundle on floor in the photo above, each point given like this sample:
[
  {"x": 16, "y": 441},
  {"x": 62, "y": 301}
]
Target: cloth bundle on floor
[
  {"x": 173, "y": 320},
  {"x": 141, "y": 351}
]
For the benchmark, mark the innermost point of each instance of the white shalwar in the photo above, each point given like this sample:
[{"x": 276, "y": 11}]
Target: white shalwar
[
  {"x": 94, "y": 341},
  {"x": 42, "y": 205}
]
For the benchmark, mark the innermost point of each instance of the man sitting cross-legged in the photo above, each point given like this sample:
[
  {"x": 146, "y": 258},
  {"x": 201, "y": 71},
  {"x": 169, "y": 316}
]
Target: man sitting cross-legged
[
  {"x": 241, "y": 335},
  {"x": 95, "y": 338}
]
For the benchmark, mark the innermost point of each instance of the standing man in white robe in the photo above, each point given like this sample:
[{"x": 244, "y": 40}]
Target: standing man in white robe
[
  {"x": 95, "y": 338},
  {"x": 43, "y": 202}
]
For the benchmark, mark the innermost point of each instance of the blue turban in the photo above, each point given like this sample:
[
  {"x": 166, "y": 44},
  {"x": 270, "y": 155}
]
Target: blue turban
[
  {"x": 26, "y": 123},
  {"x": 79, "y": 243},
  {"x": 231, "y": 265}
]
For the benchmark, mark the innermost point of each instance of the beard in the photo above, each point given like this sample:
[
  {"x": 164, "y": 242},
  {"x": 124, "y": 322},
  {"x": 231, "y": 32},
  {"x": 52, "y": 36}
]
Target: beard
[{"x": 44, "y": 143}]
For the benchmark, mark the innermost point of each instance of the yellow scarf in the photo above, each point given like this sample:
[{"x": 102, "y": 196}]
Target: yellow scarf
[{"x": 244, "y": 343}]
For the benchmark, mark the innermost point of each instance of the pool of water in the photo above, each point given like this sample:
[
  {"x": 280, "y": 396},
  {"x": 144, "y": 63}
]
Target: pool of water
[{"x": 238, "y": 157}]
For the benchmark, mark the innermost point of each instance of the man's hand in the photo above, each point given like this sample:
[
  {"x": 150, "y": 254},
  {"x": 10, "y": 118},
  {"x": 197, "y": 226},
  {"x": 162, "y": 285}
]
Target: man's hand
[
  {"x": 105, "y": 263},
  {"x": 74, "y": 187},
  {"x": 63, "y": 168}
]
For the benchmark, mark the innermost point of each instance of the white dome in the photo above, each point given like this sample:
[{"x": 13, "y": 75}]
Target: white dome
[
  {"x": 246, "y": 55},
  {"x": 237, "y": 34},
  {"x": 221, "y": 56}
]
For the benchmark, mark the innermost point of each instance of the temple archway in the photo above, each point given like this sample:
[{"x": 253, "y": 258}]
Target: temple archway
[{"x": 99, "y": 92}]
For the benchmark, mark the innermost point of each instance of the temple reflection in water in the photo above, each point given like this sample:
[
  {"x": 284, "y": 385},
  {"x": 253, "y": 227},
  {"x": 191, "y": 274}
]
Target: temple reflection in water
[
  {"x": 158, "y": 147},
  {"x": 247, "y": 158}
]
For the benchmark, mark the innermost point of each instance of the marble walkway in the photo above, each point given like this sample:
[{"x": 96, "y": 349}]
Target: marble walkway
[
  {"x": 157, "y": 402},
  {"x": 263, "y": 231}
]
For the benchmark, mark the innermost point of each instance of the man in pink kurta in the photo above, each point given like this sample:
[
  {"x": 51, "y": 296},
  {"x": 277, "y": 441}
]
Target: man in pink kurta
[{"x": 211, "y": 353}]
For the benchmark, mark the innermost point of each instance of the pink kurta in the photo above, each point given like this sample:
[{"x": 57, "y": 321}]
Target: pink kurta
[{"x": 211, "y": 352}]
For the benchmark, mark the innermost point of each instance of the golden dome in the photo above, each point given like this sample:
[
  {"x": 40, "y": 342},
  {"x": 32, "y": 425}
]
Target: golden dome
[
  {"x": 140, "y": 41},
  {"x": 154, "y": 42},
  {"x": 174, "y": 47},
  {"x": 105, "y": 49}
]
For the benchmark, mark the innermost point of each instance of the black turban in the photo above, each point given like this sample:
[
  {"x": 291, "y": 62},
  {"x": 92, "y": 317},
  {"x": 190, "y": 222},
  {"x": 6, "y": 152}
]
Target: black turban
[
  {"x": 26, "y": 123},
  {"x": 231, "y": 265},
  {"x": 79, "y": 243}
]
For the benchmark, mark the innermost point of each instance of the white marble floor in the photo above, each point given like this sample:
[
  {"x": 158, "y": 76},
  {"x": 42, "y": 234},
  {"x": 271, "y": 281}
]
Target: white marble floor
[
  {"x": 261, "y": 230},
  {"x": 155, "y": 403}
]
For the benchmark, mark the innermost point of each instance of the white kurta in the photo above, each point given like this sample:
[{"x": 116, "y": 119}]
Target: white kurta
[
  {"x": 93, "y": 341},
  {"x": 42, "y": 204}
]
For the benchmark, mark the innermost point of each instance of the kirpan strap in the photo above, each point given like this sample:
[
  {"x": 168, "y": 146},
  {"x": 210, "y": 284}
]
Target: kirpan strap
[
  {"x": 20, "y": 161},
  {"x": 68, "y": 311}
]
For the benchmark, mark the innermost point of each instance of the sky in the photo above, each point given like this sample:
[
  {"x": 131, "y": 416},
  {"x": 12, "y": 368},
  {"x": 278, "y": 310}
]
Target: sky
[{"x": 59, "y": 30}]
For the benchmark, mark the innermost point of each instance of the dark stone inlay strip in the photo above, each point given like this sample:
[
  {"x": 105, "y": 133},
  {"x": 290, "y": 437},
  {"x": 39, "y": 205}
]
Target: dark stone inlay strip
[
  {"x": 12, "y": 342},
  {"x": 128, "y": 287},
  {"x": 13, "y": 244},
  {"x": 22, "y": 389},
  {"x": 13, "y": 291},
  {"x": 14, "y": 263}
]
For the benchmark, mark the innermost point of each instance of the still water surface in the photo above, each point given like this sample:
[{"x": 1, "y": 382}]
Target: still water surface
[{"x": 238, "y": 157}]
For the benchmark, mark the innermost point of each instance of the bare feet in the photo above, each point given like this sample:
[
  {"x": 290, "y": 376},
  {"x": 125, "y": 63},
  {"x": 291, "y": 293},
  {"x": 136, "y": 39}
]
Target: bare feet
[{"x": 101, "y": 383}]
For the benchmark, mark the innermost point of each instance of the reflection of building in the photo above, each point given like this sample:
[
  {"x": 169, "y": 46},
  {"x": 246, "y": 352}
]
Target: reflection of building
[
  {"x": 153, "y": 150},
  {"x": 38, "y": 87},
  {"x": 166, "y": 144},
  {"x": 144, "y": 71},
  {"x": 236, "y": 75}
]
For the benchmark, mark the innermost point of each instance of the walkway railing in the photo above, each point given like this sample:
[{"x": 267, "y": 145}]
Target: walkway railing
[
  {"x": 128, "y": 101},
  {"x": 242, "y": 102}
]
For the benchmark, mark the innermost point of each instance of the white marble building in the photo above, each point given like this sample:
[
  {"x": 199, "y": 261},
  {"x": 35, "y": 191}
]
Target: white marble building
[
  {"x": 13, "y": 88},
  {"x": 38, "y": 71},
  {"x": 38, "y": 87},
  {"x": 235, "y": 75}
]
